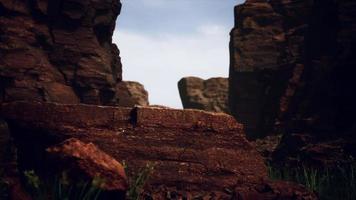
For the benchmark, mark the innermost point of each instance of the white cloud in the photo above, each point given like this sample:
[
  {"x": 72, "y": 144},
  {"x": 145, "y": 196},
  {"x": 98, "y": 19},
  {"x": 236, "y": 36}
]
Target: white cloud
[
  {"x": 160, "y": 62},
  {"x": 155, "y": 3},
  {"x": 212, "y": 30}
]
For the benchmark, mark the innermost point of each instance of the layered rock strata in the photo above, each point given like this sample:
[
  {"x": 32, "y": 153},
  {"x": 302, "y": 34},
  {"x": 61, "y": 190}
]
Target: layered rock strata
[
  {"x": 291, "y": 69},
  {"x": 321, "y": 111},
  {"x": 265, "y": 51},
  {"x": 288, "y": 65},
  {"x": 59, "y": 51},
  {"x": 193, "y": 152},
  {"x": 209, "y": 95}
]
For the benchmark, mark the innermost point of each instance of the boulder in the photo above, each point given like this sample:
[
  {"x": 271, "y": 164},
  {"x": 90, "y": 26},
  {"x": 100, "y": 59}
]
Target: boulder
[
  {"x": 209, "y": 95},
  {"x": 85, "y": 162},
  {"x": 130, "y": 93},
  {"x": 193, "y": 152}
]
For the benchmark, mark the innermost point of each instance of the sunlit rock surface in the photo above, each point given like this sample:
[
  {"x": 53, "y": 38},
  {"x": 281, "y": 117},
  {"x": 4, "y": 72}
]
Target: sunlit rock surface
[
  {"x": 209, "y": 95},
  {"x": 193, "y": 152}
]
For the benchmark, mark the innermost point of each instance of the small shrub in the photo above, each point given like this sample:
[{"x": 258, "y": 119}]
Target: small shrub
[{"x": 63, "y": 189}]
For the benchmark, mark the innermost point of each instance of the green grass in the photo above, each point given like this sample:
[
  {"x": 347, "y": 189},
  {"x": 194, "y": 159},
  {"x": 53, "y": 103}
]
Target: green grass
[
  {"x": 138, "y": 181},
  {"x": 338, "y": 183},
  {"x": 61, "y": 188}
]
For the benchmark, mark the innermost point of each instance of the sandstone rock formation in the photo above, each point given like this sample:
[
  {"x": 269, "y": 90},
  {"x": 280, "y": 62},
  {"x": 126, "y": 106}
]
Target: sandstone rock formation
[
  {"x": 59, "y": 51},
  {"x": 264, "y": 49},
  {"x": 85, "y": 162},
  {"x": 291, "y": 69},
  {"x": 291, "y": 60},
  {"x": 194, "y": 152},
  {"x": 209, "y": 95},
  {"x": 323, "y": 102},
  {"x": 130, "y": 93},
  {"x": 322, "y": 107}
]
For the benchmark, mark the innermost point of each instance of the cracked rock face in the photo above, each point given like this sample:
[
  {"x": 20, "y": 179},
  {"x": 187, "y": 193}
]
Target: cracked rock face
[
  {"x": 190, "y": 149},
  {"x": 209, "y": 95},
  {"x": 265, "y": 50},
  {"x": 86, "y": 162},
  {"x": 292, "y": 60},
  {"x": 292, "y": 67},
  {"x": 319, "y": 104},
  {"x": 131, "y": 93},
  {"x": 59, "y": 51},
  {"x": 194, "y": 153}
]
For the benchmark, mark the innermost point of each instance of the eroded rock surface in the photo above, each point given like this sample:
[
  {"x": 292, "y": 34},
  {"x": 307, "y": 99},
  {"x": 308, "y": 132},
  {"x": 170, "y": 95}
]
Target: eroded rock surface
[
  {"x": 291, "y": 66},
  {"x": 59, "y": 51},
  {"x": 254, "y": 65},
  {"x": 291, "y": 61},
  {"x": 265, "y": 51},
  {"x": 85, "y": 162},
  {"x": 130, "y": 94},
  {"x": 209, "y": 95},
  {"x": 322, "y": 107},
  {"x": 194, "y": 152}
]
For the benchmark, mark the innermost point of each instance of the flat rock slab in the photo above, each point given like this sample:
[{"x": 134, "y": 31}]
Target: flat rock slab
[{"x": 191, "y": 150}]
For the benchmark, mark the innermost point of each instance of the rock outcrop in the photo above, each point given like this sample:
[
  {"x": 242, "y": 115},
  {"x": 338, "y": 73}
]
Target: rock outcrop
[
  {"x": 291, "y": 61},
  {"x": 194, "y": 152},
  {"x": 322, "y": 106},
  {"x": 209, "y": 95},
  {"x": 265, "y": 50},
  {"x": 85, "y": 162},
  {"x": 130, "y": 94},
  {"x": 59, "y": 51},
  {"x": 291, "y": 69}
]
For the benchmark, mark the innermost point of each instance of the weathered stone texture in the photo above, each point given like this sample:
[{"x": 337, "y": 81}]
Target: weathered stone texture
[
  {"x": 85, "y": 162},
  {"x": 292, "y": 60},
  {"x": 291, "y": 69},
  {"x": 130, "y": 93},
  {"x": 194, "y": 152},
  {"x": 59, "y": 51},
  {"x": 258, "y": 67},
  {"x": 209, "y": 95},
  {"x": 323, "y": 107}
]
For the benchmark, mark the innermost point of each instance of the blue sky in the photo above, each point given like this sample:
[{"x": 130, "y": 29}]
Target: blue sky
[{"x": 162, "y": 41}]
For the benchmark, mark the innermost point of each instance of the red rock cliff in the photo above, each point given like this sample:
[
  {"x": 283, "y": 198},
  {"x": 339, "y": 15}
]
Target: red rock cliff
[{"x": 59, "y": 51}]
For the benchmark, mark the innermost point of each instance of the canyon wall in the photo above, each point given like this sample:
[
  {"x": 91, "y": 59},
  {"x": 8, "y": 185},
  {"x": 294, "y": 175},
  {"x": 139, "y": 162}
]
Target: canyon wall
[
  {"x": 59, "y": 51},
  {"x": 291, "y": 63},
  {"x": 266, "y": 48},
  {"x": 319, "y": 117},
  {"x": 194, "y": 153}
]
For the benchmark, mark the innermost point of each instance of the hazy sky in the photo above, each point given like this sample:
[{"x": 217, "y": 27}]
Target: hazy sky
[{"x": 162, "y": 41}]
